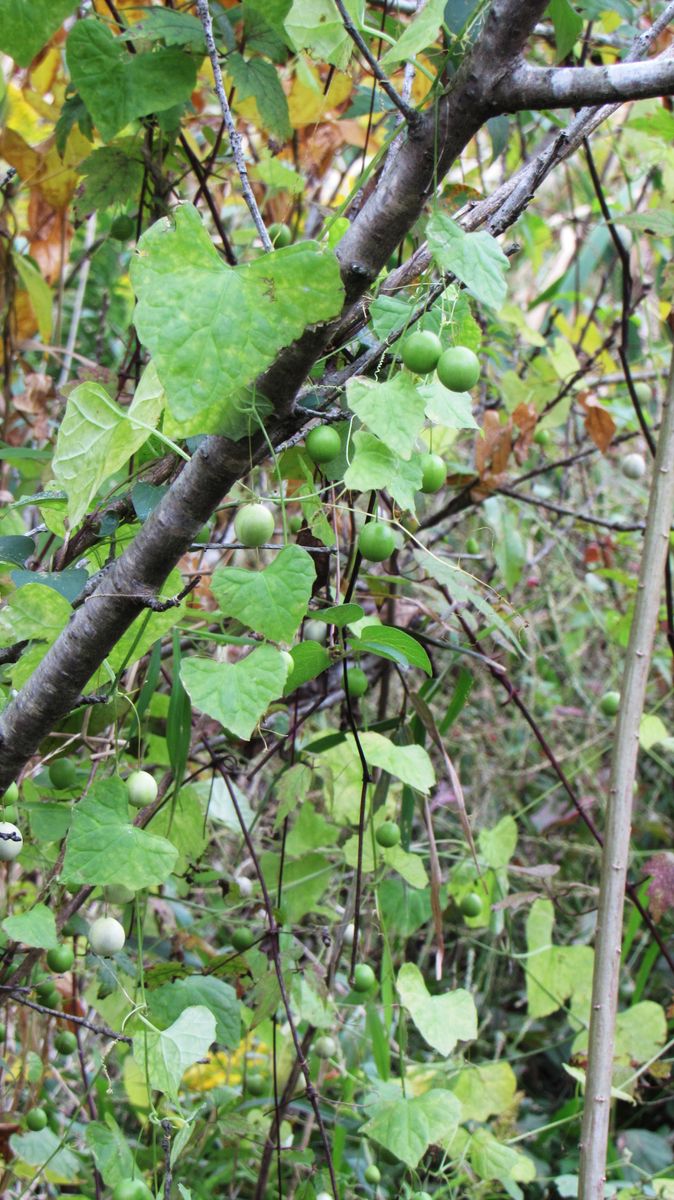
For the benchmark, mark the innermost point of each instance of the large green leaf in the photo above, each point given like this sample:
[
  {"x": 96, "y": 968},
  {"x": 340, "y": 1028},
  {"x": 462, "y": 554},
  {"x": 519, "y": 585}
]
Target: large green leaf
[
  {"x": 410, "y": 764},
  {"x": 34, "y": 611},
  {"x": 168, "y": 1002},
  {"x": 212, "y": 329},
  {"x": 27, "y": 25},
  {"x": 258, "y": 78},
  {"x": 236, "y": 694},
  {"x": 485, "y": 1089},
  {"x": 36, "y": 927},
  {"x": 441, "y": 1020},
  {"x": 393, "y": 410},
  {"x": 492, "y": 1160},
  {"x": 97, "y": 437},
  {"x": 103, "y": 848},
  {"x": 46, "y": 1149},
  {"x": 407, "y": 1127},
  {"x": 110, "y": 1149},
  {"x": 374, "y": 465},
  {"x": 419, "y": 34},
  {"x": 554, "y": 973},
  {"x": 568, "y": 26},
  {"x": 117, "y": 86},
  {"x": 474, "y": 258},
  {"x": 316, "y": 26},
  {"x": 165, "y": 1054},
  {"x": 272, "y": 601}
]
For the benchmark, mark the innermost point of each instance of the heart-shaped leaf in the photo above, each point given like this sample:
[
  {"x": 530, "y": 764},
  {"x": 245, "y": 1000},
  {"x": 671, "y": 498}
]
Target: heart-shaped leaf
[
  {"x": 272, "y": 601},
  {"x": 103, "y": 848},
  {"x": 441, "y": 1020},
  {"x": 236, "y": 694}
]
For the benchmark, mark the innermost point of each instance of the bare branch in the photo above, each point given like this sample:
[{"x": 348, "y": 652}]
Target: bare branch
[
  {"x": 410, "y": 114},
  {"x": 569, "y": 87}
]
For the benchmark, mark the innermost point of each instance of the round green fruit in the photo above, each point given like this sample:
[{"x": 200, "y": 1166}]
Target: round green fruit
[
  {"x": 288, "y": 661},
  {"x": 364, "y": 978},
  {"x": 254, "y": 524},
  {"x": 315, "y": 631},
  {"x": 295, "y": 523},
  {"x": 44, "y": 987},
  {"x": 388, "y": 834},
  {"x": 242, "y": 939},
  {"x": 203, "y": 537},
  {"x": 471, "y": 905},
  {"x": 106, "y": 936},
  {"x": 11, "y": 795},
  {"x": 357, "y": 682},
  {"x": 376, "y": 541},
  {"x": 643, "y": 392},
  {"x": 372, "y": 1175},
  {"x": 52, "y": 999},
  {"x": 434, "y": 473},
  {"x": 610, "y": 703},
  {"x": 255, "y": 1084},
  {"x": 131, "y": 1189},
  {"x": 10, "y": 813},
  {"x": 122, "y": 228},
  {"x": 421, "y": 351},
  {"x": 65, "y": 1042},
  {"x": 60, "y": 959},
  {"x": 36, "y": 1119},
  {"x": 323, "y": 444},
  {"x": 472, "y": 546},
  {"x": 280, "y": 235},
  {"x": 63, "y": 773},
  {"x": 141, "y": 789},
  {"x": 459, "y": 369},
  {"x": 542, "y": 437},
  {"x": 633, "y": 466},
  {"x": 11, "y": 841},
  {"x": 325, "y": 1047}
]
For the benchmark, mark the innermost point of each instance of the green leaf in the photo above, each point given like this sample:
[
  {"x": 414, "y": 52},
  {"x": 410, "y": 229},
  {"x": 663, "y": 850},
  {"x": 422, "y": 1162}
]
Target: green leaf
[
  {"x": 393, "y": 410},
  {"x": 419, "y": 34},
  {"x": 164, "y": 1055},
  {"x": 103, "y": 848},
  {"x": 484, "y": 1090},
  {"x": 339, "y": 615},
  {"x": 492, "y": 1160},
  {"x": 207, "y": 354},
  {"x": 46, "y": 1147},
  {"x": 117, "y": 86},
  {"x": 272, "y": 601},
  {"x": 27, "y": 25},
  {"x": 454, "y": 410},
  {"x": 394, "y": 644},
  {"x": 410, "y": 866},
  {"x": 304, "y": 882},
  {"x": 17, "y": 549},
  {"x": 112, "y": 174},
  {"x": 464, "y": 589},
  {"x": 259, "y": 78},
  {"x": 497, "y": 845},
  {"x": 97, "y": 437},
  {"x": 34, "y": 612},
  {"x": 39, "y": 294},
  {"x": 236, "y": 694},
  {"x": 508, "y": 546},
  {"x": 110, "y": 1149},
  {"x": 172, "y": 28},
  {"x": 654, "y": 220},
  {"x": 375, "y": 466},
  {"x": 568, "y": 26},
  {"x": 407, "y": 1127},
  {"x": 36, "y": 927},
  {"x": 441, "y": 1020},
  {"x": 410, "y": 764},
  {"x": 476, "y": 259},
  {"x": 554, "y": 973},
  {"x": 310, "y": 659},
  {"x": 182, "y": 823},
  {"x": 167, "y": 1003},
  {"x": 316, "y": 26}
]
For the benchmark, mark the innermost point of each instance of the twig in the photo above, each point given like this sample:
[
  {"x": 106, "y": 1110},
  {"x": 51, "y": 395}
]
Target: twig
[
  {"x": 410, "y": 114},
  {"x": 17, "y": 995},
  {"x": 166, "y": 1147},
  {"x": 234, "y": 135},
  {"x": 561, "y": 511}
]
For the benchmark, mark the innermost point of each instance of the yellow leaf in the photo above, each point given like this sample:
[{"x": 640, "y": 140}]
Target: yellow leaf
[{"x": 306, "y": 102}]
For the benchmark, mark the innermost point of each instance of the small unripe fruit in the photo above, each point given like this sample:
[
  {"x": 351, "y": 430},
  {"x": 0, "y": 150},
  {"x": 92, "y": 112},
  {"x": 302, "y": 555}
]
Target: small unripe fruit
[
  {"x": 65, "y": 1042},
  {"x": 643, "y": 392},
  {"x": 131, "y": 1189},
  {"x": 364, "y": 978},
  {"x": 315, "y": 631},
  {"x": 323, "y": 444},
  {"x": 459, "y": 369},
  {"x": 11, "y": 813},
  {"x": 60, "y": 959},
  {"x": 11, "y": 841},
  {"x": 471, "y": 905},
  {"x": 36, "y": 1119},
  {"x": 254, "y": 525},
  {"x": 349, "y": 934},
  {"x": 280, "y": 235},
  {"x": 388, "y": 834},
  {"x": 472, "y": 546},
  {"x": 11, "y": 795},
  {"x": 255, "y": 1084},
  {"x": 372, "y": 1175},
  {"x": 421, "y": 351},
  {"x": 63, "y": 774},
  {"x": 610, "y": 703},
  {"x": 141, "y": 789},
  {"x": 106, "y": 936},
  {"x": 376, "y": 541},
  {"x": 325, "y": 1047},
  {"x": 542, "y": 437},
  {"x": 295, "y": 523},
  {"x": 288, "y": 662},
  {"x": 122, "y": 228},
  {"x": 242, "y": 939},
  {"x": 357, "y": 682},
  {"x": 633, "y": 466},
  {"x": 433, "y": 474}
]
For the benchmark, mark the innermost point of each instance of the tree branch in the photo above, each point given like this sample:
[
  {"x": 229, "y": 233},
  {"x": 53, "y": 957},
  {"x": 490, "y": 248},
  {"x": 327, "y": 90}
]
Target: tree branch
[{"x": 570, "y": 87}]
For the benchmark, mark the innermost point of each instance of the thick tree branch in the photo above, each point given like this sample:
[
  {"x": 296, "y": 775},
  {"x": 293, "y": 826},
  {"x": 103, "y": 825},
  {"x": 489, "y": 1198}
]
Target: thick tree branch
[{"x": 570, "y": 87}]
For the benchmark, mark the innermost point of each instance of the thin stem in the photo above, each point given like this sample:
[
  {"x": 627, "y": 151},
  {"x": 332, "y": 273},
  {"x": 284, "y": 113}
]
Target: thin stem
[{"x": 410, "y": 114}]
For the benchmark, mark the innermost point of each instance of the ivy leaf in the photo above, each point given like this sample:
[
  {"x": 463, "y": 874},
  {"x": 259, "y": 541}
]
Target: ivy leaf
[
  {"x": 374, "y": 465},
  {"x": 103, "y": 848},
  {"x": 164, "y": 1055},
  {"x": 454, "y": 410},
  {"x": 34, "y": 611},
  {"x": 497, "y": 845},
  {"x": 258, "y": 78},
  {"x": 212, "y": 329},
  {"x": 419, "y": 34},
  {"x": 410, "y": 764},
  {"x": 236, "y": 694},
  {"x": 112, "y": 174},
  {"x": 117, "y": 86},
  {"x": 168, "y": 1002},
  {"x": 27, "y": 25},
  {"x": 492, "y": 1160},
  {"x": 310, "y": 659},
  {"x": 394, "y": 410},
  {"x": 484, "y": 1090},
  {"x": 316, "y": 26},
  {"x": 475, "y": 258},
  {"x": 110, "y": 1149},
  {"x": 272, "y": 601},
  {"x": 441, "y": 1020},
  {"x": 407, "y": 1127},
  {"x": 36, "y": 927}
]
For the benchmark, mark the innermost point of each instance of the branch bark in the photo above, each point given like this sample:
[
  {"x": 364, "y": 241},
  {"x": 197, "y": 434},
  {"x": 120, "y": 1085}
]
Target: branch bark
[
  {"x": 569, "y": 87},
  {"x": 619, "y": 811}
]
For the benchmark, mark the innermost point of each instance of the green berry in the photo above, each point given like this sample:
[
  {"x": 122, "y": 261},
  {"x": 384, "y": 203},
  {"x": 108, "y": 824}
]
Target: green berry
[
  {"x": 254, "y": 525},
  {"x": 10, "y": 813},
  {"x": 255, "y": 1084},
  {"x": 63, "y": 774},
  {"x": 542, "y": 437},
  {"x": 364, "y": 978},
  {"x": 60, "y": 959},
  {"x": 433, "y": 473},
  {"x": 122, "y": 228},
  {"x": 36, "y": 1119},
  {"x": 357, "y": 682},
  {"x": 280, "y": 235},
  {"x": 315, "y": 631},
  {"x": 376, "y": 541},
  {"x": 471, "y": 905},
  {"x": 388, "y": 834},
  {"x": 633, "y": 466},
  {"x": 472, "y": 546},
  {"x": 421, "y": 351},
  {"x": 459, "y": 369},
  {"x": 65, "y": 1042},
  {"x": 141, "y": 788},
  {"x": 295, "y": 523},
  {"x": 11, "y": 795},
  {"x": 242, "y": 939},
  {"x": 372, "y": 1175},
  {"x": 288, "y": 662},
  {"x": 610, "y": 703},
  {"x": 323, "y": 444},
  {"x": 325, "y": 1047},
  {"x": 643, "y": 392},
  {"x": 11, "y": 841}
]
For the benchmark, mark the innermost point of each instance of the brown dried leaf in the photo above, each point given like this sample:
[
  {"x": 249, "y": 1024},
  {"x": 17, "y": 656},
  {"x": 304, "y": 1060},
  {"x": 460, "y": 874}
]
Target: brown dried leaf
[
  {"x": 492, "y": 451},
  {"x": 599, "y": 423},
  {"x": 661, "y": 888}
]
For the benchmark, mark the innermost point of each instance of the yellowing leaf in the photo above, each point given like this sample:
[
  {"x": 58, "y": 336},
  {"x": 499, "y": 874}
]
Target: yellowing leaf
[{"x": 306, "y": 103}]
